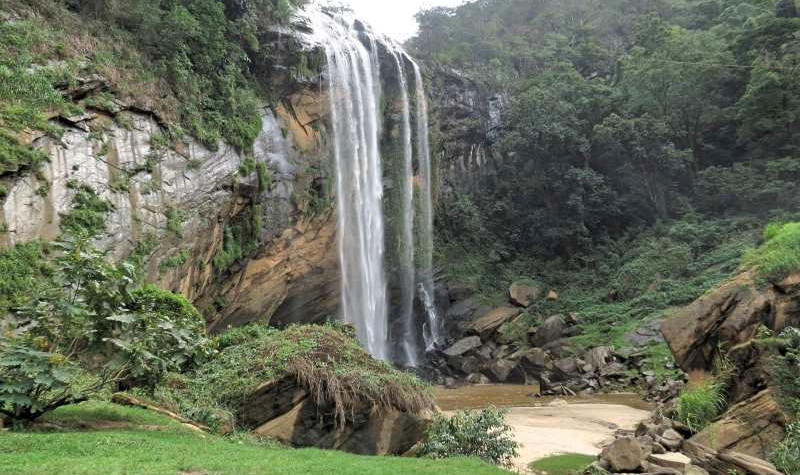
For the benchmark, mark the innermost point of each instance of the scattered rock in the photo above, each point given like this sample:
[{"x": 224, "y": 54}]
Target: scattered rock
[
  {"x": 463, "y": 345},
  {"x": 477, "y": 378},
  {"x": 524, "y": 293},
  {"x": 646, "y": 334},
  {"x": 623, "y": 455}
]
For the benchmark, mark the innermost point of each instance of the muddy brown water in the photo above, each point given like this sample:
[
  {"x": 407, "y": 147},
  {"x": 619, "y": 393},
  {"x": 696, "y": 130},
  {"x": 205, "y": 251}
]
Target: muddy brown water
[{"x": 509, "y": 395}]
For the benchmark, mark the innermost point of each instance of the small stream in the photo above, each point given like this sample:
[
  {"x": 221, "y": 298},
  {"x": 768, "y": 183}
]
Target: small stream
[{"x": 510, "y": 395}]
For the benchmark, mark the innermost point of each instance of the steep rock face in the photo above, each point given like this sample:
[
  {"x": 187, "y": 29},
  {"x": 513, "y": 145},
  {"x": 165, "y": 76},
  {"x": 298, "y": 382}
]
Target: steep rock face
[
  {"x": 730, "y": 316},
  {"x": 727, "y": 320}
]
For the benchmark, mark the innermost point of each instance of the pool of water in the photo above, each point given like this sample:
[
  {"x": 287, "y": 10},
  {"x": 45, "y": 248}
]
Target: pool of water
[{"x": 509, "y": 395}]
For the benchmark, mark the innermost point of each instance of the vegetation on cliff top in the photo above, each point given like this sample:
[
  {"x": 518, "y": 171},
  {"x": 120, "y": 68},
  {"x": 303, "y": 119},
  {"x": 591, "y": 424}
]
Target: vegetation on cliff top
[
  {"x": 191, "y": 62},
  {"x": 327, "y": 361},
  {"x": 779, "y": 256}
]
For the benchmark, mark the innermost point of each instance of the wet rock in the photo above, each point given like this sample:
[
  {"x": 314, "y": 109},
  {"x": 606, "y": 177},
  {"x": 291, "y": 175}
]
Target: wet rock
[
  {"x": 623, "y": 455},
  {"x": 524, "y": 293},
  {"x": 461, "y": 310},
  {"x": 548, "y": 332},
  {"x": 463, "y": 346}
]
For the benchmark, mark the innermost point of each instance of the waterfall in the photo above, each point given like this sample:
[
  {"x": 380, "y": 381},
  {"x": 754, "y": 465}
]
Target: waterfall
[
  {"x": 359, "y": 186},
  {"x": 355, "y": 92},
  {"x": 432, "y": 330},
  {"x": 410, "y": 350}
]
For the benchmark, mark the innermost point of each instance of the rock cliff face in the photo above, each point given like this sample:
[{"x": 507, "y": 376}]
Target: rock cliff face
[
  {"x": 243, "y": 244},
  {"x": 727, "y": 321}
]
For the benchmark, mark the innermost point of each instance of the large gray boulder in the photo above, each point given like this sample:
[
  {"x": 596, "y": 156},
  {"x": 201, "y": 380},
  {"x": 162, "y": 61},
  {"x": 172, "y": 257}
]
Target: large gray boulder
[
  {"x": 463, "y": 346},
  {"x": 623, "y": 455},
  {"x": 524, "y": 293},
  {"x": 551, "y": 330}
]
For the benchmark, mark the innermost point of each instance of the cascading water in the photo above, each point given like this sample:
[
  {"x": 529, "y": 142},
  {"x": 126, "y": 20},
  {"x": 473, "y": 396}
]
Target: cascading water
[
  {"x": 355, "y": 94},
  {"x": 410, "y": 350},
  {"x": 432, "y": 330},
  {"x": 359, "y": 185}
]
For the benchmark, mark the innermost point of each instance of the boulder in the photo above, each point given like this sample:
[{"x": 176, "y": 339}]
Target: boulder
[
  {"x": 566, "y": 367},
  {"x": 469, "y": 364},
  {"x": 724, "y": 462},
  {"x": 459, "y": 292},
  {"x": 645, "y": 334},
  {"x": 463, "y": 346},
  {"x": 487, "y": 324},
  {"x": 623, "y": 455},
  {"x": 674, "y": 460},
  {"x": 477, "y": 378},
  {"x": 461, "y": 310},
  {"x": 548, "y": 332},
  {"x": 598, "y": 357},
  {"x": 524, "y": 293},
  {"x": 372, "y": 432},
  {"x": 729, "y": 315},
  {"x": 552, "y": 295},
  {"x": 752, "y": 427},
  {"x": 505, "y": 371}
]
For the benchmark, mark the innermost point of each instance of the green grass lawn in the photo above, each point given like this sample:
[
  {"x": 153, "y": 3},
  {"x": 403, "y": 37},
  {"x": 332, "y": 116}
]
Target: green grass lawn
[
  {"x": 563, "y": 464},
  {"x": 101, "y": 438}
]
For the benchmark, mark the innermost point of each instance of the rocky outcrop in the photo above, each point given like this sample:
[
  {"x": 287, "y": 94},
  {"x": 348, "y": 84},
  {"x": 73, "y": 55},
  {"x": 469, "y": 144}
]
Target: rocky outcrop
[
  {"x": 730, "y": 316},
  {"x": 283, "y": 410},
  {"x": 729, "y": 321},
  {"x": 752, "y": 427}
]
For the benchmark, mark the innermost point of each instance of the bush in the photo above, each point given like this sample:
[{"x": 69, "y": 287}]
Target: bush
[
  {"x": 700, "y": 404},
  {"x": 35, "y": 381},
  {"x": 786, "y": 455},
  {"x": 786, "y": 370},
  {"x": 482, "y": 434}
]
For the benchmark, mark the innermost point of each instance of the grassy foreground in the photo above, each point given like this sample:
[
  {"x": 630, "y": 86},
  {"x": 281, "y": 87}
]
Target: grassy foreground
[
  {"x": 102, "y": 438},
  {"x": 562, "y": 464}
]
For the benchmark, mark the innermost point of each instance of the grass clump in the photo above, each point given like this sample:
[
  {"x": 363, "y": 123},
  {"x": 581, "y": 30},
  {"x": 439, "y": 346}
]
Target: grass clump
[
  {"x": 88, "y": 214},
  {"x": 779, "y": 256},
  {"x": 562, "y": 464},
  {"x": 326, "y": 360},
  {"x": 700, "y": 404},
  {"x": 786, "y": 456}
]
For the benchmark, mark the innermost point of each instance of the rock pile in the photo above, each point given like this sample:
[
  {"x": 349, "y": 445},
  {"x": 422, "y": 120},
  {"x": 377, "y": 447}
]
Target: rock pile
[{"x": 483, "y": 350}]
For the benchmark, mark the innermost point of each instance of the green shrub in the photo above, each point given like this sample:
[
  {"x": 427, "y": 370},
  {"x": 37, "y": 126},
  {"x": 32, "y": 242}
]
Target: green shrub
[
  {"x": 779, "y": 256},
  {"x": 482, "y": 434},
  {"x": 88, "y": 214},
  {"x": 35, "y": 379},
  {"x": 786, "y": 456},
  {"x": 786, "y": 370},
  {"x": 700, "y": 404}
]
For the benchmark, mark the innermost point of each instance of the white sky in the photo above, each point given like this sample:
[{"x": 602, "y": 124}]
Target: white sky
[{"x": 394, "y": 18}]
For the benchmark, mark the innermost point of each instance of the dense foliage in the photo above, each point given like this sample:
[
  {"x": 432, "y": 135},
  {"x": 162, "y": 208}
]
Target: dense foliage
[
  {"x": 482, "y": 434},
  {"x": 622, "y": 113},
  {"x": 780, "y": 254},
  {"x": 73, "y": 322},
  {"x": 192, "y": 62}
]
